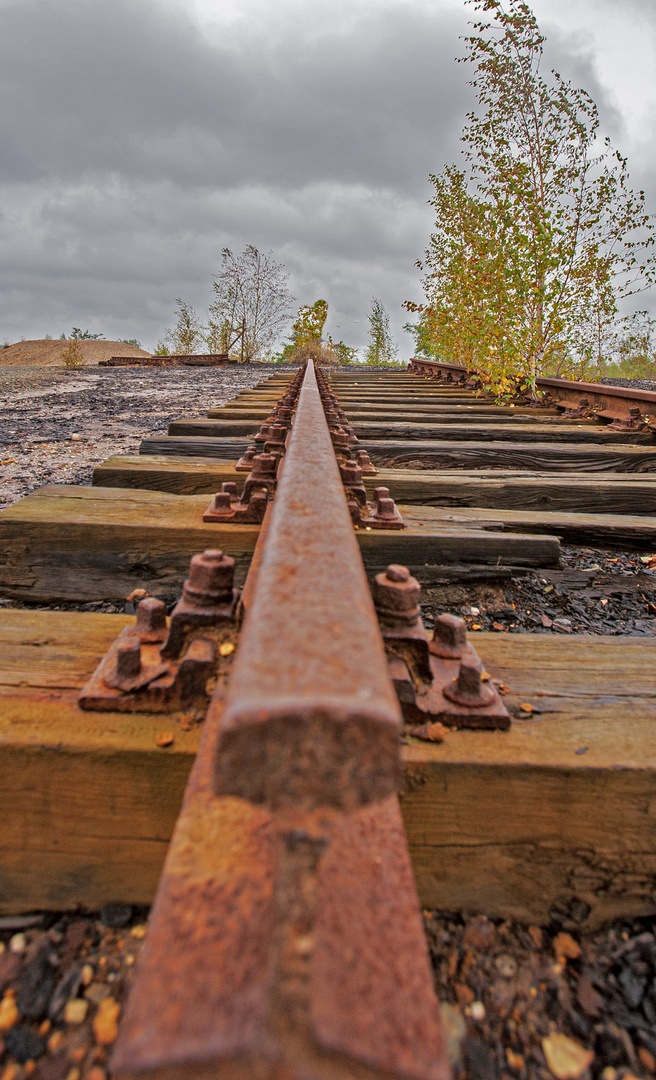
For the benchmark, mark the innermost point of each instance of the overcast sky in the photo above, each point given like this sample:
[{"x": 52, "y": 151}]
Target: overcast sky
[{"x": 140, "y": 137}]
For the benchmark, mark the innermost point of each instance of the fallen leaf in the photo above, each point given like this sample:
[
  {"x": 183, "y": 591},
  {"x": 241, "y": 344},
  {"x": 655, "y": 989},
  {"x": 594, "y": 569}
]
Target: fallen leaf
[
  {"x": 226, "y": 649},
  {"x": 475, "y": 626},
  {"x": 566, "y": 1058},
  {"x": 485, "y": 676},
  {"x": 648, "y": 560},
  {"x": 430, "y": 732},
  {"x": 566, "y": 948},
  {"x": 497, "y": 626},
  {"x": 464, "y": 994},
  {"x": 105, "y": 1026},
  {"x": 136, "y": 595},
  {"x": 503, "y": 688},
  {"x": 526, "y": 707},
  {"x": 165, "y": 738},
  {"x": 516, "y": 1061}
]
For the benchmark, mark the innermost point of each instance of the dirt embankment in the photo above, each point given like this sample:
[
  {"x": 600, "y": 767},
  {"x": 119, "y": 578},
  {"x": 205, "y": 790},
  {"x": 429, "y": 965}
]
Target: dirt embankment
[{"x": 46, "y": 353}]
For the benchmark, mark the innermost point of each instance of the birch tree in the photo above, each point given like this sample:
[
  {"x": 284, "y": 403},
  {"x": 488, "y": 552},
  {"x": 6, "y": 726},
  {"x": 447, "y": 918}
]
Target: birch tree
[
  {"x": 251, "y": 303},
  {"x": 539, "y": 234}
]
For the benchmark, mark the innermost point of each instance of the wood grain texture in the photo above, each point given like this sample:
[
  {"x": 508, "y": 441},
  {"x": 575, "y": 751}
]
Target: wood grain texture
[
  {"x": 157, "y": 472},
  {"x": 83, "y": 544},
  {"x": 75, "y": 543},
  {"x": 507, "y": 823},
  {"x": 605, "y": 493},
  {"x": 632, "y": 531},
  {"x": 599, "y": 494},
  {"x": 229, "y": 448},
  {"x": 536, "y": 457}
]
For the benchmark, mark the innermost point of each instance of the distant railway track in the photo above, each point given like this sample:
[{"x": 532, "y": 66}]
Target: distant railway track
[{"x": 286, "y": 938}]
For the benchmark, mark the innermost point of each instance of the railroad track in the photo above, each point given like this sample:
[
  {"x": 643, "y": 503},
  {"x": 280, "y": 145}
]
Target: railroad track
[{"x": 286, "y": 936}]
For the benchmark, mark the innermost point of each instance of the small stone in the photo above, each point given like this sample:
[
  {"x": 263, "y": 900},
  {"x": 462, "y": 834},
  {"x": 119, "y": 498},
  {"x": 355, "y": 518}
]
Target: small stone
[
  {"x": 17, "y": 943},
  {"x": 23, "y": 1044},
  {"x": 115, "y": 915},
  {"x": 633, "y": 986},
  {"x": 35, "y": 987},
  {"x": 506, "y": 965},
  {"x": 479, "y": 933},
  {"x": 477, "y": 1010},
  {"x": 66, "y": 988},
  {"x": 76, "y": 1010},
  {"x": 566, "y": 948},
  {"x": 87, "y": 974},
  {"x": 454, "y": 1027},
  {"x": 566, "y": 1058},
  {"x": 588, "y": 998},
  {"x": 76, "y": 437},
  {"x": 97, "y": 992},
  {"x": 9, "y": 1014},
  {"x": 10, "y": 964},
  {"x": 165, "y": 738},
  {"x": 546, "y": 621},
  {"x": 105, "y": 1024}
]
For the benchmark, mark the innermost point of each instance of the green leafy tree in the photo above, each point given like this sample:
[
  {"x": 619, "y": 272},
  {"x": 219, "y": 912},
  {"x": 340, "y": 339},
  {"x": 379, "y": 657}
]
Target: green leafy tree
[
  {"x": 131, "y": 341},
  {"x": 251, "y": 304},
  {"x": 85, "y": 335},
  {"x": 186, "y": 336},
  {"x": 305, "y": 338},
  {"x": 538, "y": 236},
  {"x": 381, "y": 348}
]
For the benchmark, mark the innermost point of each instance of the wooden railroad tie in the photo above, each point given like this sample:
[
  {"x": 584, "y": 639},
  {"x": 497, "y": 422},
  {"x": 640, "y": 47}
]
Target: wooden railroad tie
[{"x": 289, "y": 856}]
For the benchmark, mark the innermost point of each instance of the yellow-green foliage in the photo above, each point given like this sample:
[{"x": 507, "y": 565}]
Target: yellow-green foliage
[
  {"x": 537, "y": 237},
  {"x": 72, "y": 355}
]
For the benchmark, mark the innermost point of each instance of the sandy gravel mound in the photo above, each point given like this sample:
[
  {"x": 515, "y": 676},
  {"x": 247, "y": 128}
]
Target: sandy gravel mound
[{"x": 44, "y": 353}]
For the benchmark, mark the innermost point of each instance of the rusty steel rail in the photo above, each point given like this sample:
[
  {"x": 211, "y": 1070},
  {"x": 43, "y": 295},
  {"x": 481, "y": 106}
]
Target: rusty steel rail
[
  {"x": 608, "y": 402},
  {"x": 285, "y": 940}
]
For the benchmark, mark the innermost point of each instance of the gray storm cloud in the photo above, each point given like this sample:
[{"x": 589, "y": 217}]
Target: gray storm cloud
[{"x": 134, "y": 146}]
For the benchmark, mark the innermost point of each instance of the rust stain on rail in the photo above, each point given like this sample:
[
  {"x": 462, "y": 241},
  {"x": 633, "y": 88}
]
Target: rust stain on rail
[
  {"x": 311, "y": 716},
  {"x": 286, "y": 941}
]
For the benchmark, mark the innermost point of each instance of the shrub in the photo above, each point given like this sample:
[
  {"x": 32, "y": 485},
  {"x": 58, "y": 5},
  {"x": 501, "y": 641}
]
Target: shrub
[{"x": 72, "y": 355}]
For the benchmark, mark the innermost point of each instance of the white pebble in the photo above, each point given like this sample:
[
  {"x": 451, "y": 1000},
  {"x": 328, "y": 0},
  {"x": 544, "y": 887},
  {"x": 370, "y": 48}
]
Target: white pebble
[
  {"x": 17, "y": 943},
  {"x": 477, "y": 1010},
  {"x": 76, "y": 1010}
]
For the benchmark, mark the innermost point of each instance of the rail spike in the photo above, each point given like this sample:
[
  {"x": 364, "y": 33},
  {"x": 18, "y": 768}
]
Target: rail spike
[
  {"x": 159, "y": 666},
  {"x": 439, "y": 680}
]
